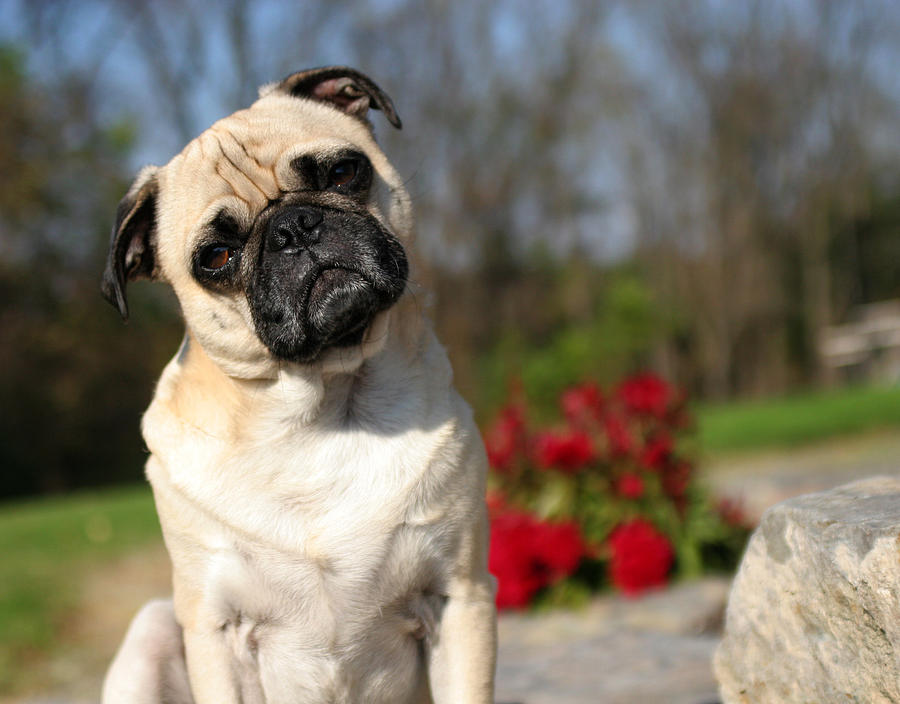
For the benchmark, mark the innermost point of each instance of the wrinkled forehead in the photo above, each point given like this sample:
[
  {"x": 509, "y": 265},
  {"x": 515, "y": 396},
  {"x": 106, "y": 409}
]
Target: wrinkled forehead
[{"x": 245, "y": 161}]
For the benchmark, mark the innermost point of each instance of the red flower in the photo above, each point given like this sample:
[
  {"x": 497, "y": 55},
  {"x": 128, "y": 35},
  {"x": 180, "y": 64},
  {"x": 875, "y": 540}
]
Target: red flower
[
  {"x": 582, "y": 404},
  {"x": 646, "y": 394},
  {"x": 675, "y": 481},
  {"x": 559, "y": 549},
  {"x": 732, "y": 511},
  {"x": 657, "y": 451},
  {"x": 641, "y": 556},
  {"x": 495, "y": 501},
  {"x": 631, "y": 486},
  {"x": 527, "y": 554},
  {"x": 506, "y": 438},
  {"x": 618, "y": 435},
  {"x": 569, "y": 452}
]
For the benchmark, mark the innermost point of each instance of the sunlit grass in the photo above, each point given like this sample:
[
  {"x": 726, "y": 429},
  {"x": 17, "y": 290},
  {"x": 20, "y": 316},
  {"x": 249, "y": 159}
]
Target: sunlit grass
[
  {"x": 46, "y": 545},
  {"x": 796, "y": 420}
]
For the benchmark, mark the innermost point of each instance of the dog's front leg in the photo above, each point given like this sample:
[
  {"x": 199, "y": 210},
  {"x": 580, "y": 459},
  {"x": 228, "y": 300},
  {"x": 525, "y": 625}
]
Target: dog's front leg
[
  {"x": 462, "y": 654},
  {"x": 462, "y": 649},
  {"x": 149, "y": 667}
]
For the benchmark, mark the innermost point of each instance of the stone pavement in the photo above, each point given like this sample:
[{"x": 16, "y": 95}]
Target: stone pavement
[
  {"x": 657, "y": 649},
  {"x": 762, "y": 480}
]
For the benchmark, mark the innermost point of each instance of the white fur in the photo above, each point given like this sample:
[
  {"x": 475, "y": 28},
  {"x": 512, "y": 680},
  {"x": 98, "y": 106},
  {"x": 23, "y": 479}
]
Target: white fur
[{"x": 326, "y": 522}]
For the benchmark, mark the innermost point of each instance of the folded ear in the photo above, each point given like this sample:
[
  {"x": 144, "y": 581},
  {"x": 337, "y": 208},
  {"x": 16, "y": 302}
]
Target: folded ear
[
  {"x": 131, "y": 249},
  {"x": 344, "y": 88}
]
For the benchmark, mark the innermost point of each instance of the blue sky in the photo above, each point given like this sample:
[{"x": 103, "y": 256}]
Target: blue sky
[{"x": 128, "y": 89}]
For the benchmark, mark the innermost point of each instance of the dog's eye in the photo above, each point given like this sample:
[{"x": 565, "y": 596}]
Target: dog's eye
[
  {"x": 343, "y": 173},
  {"x": 217, "y": 264},
  {"x": 216, "y": 257}
]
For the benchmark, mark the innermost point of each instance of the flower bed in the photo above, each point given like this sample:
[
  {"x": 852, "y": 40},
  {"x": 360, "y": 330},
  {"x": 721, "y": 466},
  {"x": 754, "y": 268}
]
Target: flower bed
[{"x": 606, "y": 496}]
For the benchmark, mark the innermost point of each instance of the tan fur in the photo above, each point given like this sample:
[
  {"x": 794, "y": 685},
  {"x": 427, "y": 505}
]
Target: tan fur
[{"x": 326, "y": 521}]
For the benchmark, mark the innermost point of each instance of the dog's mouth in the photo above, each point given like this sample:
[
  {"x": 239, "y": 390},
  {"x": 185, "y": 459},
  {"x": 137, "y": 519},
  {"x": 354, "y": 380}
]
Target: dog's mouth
[
  {"x": 340, "y": 305},
  {"x": 331, "y": 307}
]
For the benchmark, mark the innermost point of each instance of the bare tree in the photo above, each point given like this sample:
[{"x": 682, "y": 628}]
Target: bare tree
[{"x": 770, "y": 147}]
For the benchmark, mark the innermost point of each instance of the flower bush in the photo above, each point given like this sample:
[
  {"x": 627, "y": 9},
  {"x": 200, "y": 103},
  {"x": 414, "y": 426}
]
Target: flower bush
[
  {"x": 605, "y": 495},
  {"x": 531, "y": 554}
]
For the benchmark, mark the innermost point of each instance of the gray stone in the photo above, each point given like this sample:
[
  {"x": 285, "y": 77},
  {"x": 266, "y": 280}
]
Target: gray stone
[{"x": 814, "y": 612}]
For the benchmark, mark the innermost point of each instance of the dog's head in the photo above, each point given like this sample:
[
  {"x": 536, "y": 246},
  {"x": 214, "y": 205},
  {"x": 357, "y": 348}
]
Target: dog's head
[{"x": 268, "y": 227}]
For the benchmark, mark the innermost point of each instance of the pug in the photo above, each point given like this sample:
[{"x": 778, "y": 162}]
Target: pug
[{"x": 319, "y": 483}]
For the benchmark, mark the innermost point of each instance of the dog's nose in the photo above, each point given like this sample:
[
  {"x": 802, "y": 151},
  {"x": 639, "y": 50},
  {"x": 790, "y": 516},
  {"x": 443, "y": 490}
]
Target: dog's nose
[{"x": 294, "y": 229}]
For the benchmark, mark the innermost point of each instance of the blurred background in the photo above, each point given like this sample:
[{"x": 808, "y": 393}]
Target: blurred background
[{"x": 707, "y": 189}]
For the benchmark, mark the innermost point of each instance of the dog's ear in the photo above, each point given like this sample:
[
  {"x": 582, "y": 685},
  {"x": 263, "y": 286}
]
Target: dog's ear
[
  {"x": 131, "y": 250},
  {"x": 344, "y": 88}
]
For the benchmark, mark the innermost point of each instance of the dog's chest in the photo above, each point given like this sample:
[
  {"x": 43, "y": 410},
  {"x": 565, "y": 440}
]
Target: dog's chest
[
  {"x": 331, "y": 596},
  {"x": 337, "y": 492},
  {"x": 324, "y": 565},
  {"x": 340, "y": 619}
]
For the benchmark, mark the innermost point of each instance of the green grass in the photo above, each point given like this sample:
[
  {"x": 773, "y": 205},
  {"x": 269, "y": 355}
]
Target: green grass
[
  {"x": 45, "y": 546},
  {"x": 796, "y": 420}
]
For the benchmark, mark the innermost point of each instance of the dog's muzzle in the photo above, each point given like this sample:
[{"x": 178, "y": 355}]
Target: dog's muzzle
[{"x": 322, "y": 276}]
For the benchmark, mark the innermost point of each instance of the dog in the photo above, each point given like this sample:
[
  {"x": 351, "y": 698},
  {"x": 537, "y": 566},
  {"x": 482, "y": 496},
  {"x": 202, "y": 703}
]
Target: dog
[{"x": 319, "y": 483}]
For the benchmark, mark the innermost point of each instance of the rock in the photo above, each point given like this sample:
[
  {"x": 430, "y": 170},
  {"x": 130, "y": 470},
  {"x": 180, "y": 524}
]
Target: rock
[{"x": 814, "y": 612}]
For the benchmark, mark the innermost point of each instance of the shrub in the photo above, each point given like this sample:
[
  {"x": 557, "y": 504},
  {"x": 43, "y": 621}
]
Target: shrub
[{"x": 606, "y": 495}]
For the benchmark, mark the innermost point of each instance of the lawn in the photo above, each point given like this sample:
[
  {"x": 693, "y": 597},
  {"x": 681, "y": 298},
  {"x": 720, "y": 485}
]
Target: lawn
[
  {"x": 46, "y": 545},
  {"x": 796, "y": 420}
]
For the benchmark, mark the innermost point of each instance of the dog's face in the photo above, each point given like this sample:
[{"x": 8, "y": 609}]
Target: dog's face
[{"x": 268, "y": 227}]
